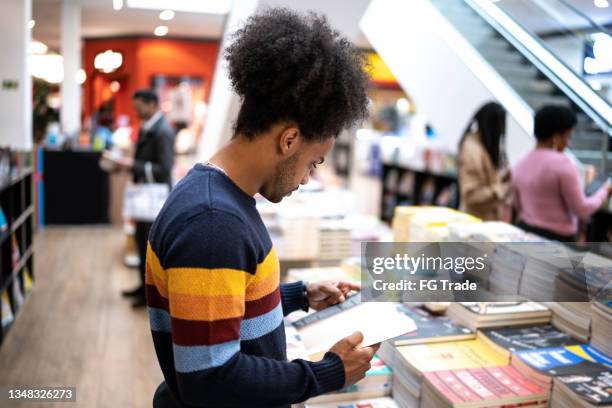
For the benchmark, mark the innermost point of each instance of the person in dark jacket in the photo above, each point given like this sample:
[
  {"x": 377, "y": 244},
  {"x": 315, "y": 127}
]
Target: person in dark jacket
[{"x": 152, "y": 160}]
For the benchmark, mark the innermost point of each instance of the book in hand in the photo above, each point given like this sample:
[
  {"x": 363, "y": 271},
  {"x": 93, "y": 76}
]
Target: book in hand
[
  {"x": 508, "y": 340},
  {"x": 377, "y": 321},
  {"x": 362, "y": 403},
  {"x": 431, "y": 328},
  {"x": 542, "y": 365},
  {"x": 583, "y": 390},
  {"x": 481, "y": 387},
  {"x": 475, "y": 315}
]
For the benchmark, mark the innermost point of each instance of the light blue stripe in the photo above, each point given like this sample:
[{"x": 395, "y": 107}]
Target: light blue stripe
[
  {"x": 194, "y": 358},
  {"x": 160, "y": 320},
  {"x": 259, "y": 326}
]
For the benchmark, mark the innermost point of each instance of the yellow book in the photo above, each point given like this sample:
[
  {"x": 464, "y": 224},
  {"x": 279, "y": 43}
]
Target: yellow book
[{"x": 474, "y": 353}]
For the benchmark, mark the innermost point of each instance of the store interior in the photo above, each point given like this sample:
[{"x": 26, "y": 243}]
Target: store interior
[{"x": 68, "y": 235}]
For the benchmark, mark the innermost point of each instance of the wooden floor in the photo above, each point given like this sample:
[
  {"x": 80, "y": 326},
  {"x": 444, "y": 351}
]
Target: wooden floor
[{"x": 76, "y": 330}]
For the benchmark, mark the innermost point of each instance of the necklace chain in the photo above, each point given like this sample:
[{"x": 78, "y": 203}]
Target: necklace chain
[{"x": 211, "y": 164}]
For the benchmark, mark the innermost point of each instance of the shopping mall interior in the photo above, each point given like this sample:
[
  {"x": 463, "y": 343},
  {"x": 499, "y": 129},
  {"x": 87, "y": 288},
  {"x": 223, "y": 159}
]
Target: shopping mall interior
[{"x": 488, "y": 130}]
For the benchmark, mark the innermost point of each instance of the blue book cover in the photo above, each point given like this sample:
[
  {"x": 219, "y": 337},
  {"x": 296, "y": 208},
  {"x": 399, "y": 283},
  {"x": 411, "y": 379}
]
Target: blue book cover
[
  {"x": 3, "y": 223},
  {"x": 580, "y": 358}
]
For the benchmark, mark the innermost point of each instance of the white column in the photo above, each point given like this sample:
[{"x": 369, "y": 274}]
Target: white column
[
  {"x": 15, "y": 81},
  {"x": 223, "y": 102},
  {"x": 70, "y": 113}
]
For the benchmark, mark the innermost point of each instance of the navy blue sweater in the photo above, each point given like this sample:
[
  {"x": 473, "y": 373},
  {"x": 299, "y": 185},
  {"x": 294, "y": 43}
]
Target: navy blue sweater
[{"x": 216, "y": 306}]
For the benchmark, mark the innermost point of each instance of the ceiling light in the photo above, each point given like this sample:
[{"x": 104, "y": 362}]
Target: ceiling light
[
  {"x": 80, "y": 76},
  {"x": 108, "y": 61},
  {"x": 31, "y": 24},
  {"x": 115, "y": 86},
  {"x": 37, "y": 47},
  {"x": 160, "y": 31},
  {"x": 166, "y": 15},
  {"x": 117, "y": 4},
  {"x": 49, "y": 67},
  {"x": 190, "y": 6},
  {"x": 601, "y": 3}
]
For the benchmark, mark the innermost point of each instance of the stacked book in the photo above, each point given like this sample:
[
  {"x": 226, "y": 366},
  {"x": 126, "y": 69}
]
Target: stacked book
[
  {"x": 542, "y": 365},
  {"x": 573, "y": 318},
  {"x": 335, "y": 240},
  {"x": 426, "y": 224},
  {"x": 362, "y": 403},
  {"x": 430, "y": 328},
  {"x": 481, "y": 387},
  {"x": 475, "y": 315},
  {"x": 601, "y": 326},
  {"x": 508, "y": 340},
  {"x": 346, "y": 271},
  {"x": 587, "y": 390},
  {"x": 412, "y": 362}
]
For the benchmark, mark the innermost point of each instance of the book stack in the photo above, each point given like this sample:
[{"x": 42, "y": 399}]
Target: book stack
[
  {"x": 508, "y": 340},
  {"x": 475, "y": 315},
  {"x": 489, "y": 231},
  {"x": 363, "y": 403},
  {"x": 544, "y": 263},
  {"x": 541, "y": 365},
  {"x": 426, "y": 224},
  {"x": 573, "y": 318},
  {"x": 412, "y": 362},
  {"x": 335, "y": 242},
  {"x": 507, "y": 265},
  {"x": 583, "y": 390},
  {"x": 481, "y": 387},
  {"x": 430, "y": 328},
  {"x": 346, "y": 272},
  {"x": 601, "y": 326},
  {"x": 296, "y": 238}
]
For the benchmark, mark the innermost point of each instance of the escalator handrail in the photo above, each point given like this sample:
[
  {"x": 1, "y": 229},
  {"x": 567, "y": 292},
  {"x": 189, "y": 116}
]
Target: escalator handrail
[{"x": 593, "y": 104}]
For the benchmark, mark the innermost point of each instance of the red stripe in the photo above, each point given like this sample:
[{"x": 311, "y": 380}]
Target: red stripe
[
  {"x": 200, "y": 333},
  {"x": 263, "y": 305},
  {"x": 155, "y": 299}
]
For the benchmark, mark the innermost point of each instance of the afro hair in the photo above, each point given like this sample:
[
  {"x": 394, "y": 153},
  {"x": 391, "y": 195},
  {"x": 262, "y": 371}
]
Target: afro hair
[{"x": 296, "y": 68}]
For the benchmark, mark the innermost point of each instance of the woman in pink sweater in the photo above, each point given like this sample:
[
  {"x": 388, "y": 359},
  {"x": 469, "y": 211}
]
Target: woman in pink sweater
[{"x": 547, "y": 191}]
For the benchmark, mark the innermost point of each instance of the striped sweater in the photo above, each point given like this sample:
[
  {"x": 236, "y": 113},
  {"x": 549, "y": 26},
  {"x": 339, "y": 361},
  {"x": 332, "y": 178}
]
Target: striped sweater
[{"x": 216, "y": 306}]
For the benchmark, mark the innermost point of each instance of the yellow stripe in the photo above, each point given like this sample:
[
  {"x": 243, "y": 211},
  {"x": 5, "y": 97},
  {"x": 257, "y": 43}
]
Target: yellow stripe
[
  {"x": 260, "y": 289},
  {"x": 155, "y": 266},
  {"x": 191, "y": 307},
  {"x": 207, "y": 282},
  {"x": 267, "y": 267}
]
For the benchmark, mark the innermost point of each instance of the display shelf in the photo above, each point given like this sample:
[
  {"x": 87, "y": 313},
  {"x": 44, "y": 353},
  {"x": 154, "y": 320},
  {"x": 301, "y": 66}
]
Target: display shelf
[
  {"x": 405, "y": 185},
  {"x": 16, "y": 249}
]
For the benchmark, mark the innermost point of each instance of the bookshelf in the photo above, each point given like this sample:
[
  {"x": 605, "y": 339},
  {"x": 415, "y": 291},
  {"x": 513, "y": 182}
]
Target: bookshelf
[
  {"x": 16, "y": 236},
  {"x": 403, "y": 185}
]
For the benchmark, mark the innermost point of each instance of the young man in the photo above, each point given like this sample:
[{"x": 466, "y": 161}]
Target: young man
[{"x": 215, "y": 303}]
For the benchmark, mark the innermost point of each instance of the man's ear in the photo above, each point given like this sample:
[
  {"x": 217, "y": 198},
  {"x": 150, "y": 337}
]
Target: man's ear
[{"x": 289, "y": 141}]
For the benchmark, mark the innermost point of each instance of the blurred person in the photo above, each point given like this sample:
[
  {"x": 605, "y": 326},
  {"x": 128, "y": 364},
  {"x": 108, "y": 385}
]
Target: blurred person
[
  {"x": 483, "y": 183},
  {"x": 547, "y": 191},
  {"x": 153, "y": 158},
  {"x": 215, "y": 302}
]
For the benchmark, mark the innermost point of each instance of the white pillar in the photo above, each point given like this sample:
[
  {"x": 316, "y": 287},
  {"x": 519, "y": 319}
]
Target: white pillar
[
  {"x": 223, "y": 102},
  {"x": 70, "y": 114},
  {"x": 15, "y": 81}
]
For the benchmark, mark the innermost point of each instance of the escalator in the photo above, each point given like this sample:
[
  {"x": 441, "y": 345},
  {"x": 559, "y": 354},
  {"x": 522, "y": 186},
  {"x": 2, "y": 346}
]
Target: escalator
[{"x": 536, "y": 67}]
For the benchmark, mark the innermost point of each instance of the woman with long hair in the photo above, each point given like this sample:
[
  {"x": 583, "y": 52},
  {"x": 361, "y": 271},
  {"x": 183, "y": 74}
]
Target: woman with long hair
[{"x": 483, "y": 180}]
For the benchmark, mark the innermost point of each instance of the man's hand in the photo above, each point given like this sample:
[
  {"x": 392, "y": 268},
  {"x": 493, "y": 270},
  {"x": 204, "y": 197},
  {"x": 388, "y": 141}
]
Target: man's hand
[
  {"x": 328, "y": 293},
  {"x": 356, "y": 359}
]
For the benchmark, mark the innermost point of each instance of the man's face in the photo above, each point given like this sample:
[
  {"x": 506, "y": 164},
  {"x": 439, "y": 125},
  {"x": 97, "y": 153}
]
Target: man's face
[
  {"x": 143, "y": 109},
  {"x": 296, "y": 170}
]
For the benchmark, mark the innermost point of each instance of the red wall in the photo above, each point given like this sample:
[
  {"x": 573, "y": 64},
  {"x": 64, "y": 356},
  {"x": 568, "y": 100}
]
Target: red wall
[{"x": 143, "y": 58}]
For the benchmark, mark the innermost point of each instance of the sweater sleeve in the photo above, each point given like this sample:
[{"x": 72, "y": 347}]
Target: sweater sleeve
[
  {"x": 293, "y": 297},
  {"x": 208, "y": 274},
  {"x": 573, "y": 196}
]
